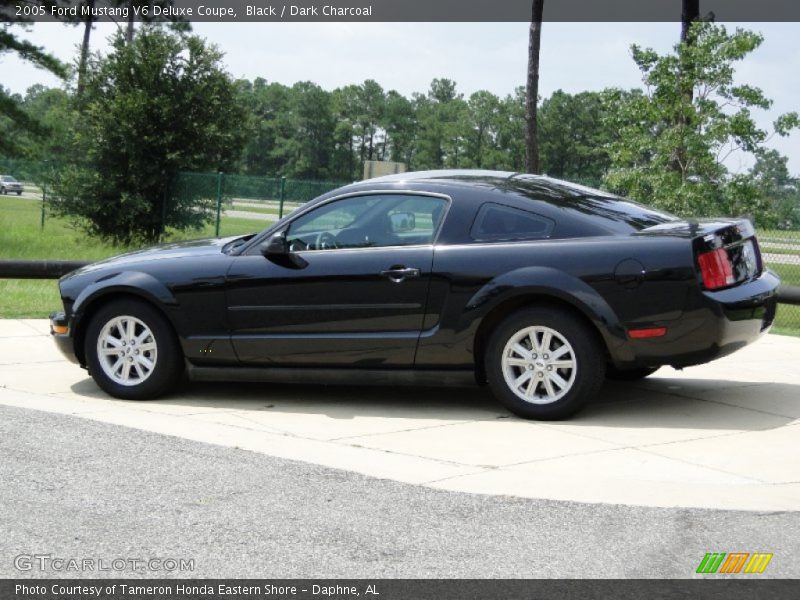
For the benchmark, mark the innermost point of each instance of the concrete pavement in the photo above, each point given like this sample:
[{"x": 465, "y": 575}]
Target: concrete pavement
[
  {"x": 77, "y": 488},
  {"x": 723, "y": 435}
]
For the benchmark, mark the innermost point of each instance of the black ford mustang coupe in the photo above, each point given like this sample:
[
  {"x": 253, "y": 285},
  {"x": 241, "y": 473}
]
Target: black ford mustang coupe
[{"x": 540, "y": 287}]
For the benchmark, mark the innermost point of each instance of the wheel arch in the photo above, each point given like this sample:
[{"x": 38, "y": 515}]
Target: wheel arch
[
  {"x": 504, "y": 309},
  {"x": 87, "y": 306},
  {"x": 540, "y": 286}
]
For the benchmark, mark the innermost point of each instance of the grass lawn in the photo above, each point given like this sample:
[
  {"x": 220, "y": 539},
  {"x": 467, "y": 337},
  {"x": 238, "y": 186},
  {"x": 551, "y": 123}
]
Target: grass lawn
[
  {"x": 787, "y": 320},
  {"x": 21, "y": 237}
]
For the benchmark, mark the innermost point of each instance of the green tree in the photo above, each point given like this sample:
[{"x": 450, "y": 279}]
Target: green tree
[
  {"x": 151, "y": 109},
  {"x": 575, "y": 136},
  {"x": 313, "y": 126},
  {"x": 269, "y": 140},
  {"x": 88, "y": 21},
  {"x": 672, "y": 146},
  {"x": 371, "y": 107},
  {"x": 51, "y": 108},
  {"x": 441, "y": 135},
  {"x": 301, "y": 131},
  {"x": 483, "y": 110},
  {"x": 345, "y": 103},
  {"x": 400, "y": 124},
  {"x": 13, "y": 118},
  {"x": 779, "y": 190},
  {"x": 511, "y": 132}
]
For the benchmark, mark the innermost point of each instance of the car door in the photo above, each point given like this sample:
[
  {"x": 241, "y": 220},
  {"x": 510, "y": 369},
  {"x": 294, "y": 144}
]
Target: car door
[{"x": 351, "y": 290}]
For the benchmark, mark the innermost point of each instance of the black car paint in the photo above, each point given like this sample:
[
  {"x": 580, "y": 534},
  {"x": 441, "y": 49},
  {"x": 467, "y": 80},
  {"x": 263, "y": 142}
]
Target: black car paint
[{"x": 613, "y": 263}]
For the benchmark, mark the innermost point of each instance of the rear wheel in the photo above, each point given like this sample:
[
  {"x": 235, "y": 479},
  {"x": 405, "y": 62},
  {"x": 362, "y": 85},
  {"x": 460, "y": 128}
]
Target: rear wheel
[
  {"x": 131, "y": 351},
  {"x": 629, "y": 374},
  {"x": 543, "y": 363}
]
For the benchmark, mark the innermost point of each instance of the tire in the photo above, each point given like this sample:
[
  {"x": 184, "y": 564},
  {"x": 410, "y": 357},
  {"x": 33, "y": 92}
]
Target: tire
[
  {"x": 548, "y": 400},
  {"x": 19, "y": 193},
  {"x": 160, "y": 349},
  {"x": 3, "y": 191},
  {"x": 629, "y": 374}
]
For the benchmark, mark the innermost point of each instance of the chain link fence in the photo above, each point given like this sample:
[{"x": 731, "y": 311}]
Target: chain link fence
[
  {"x": 243, "y": 196},
  {"x": 266, "y": 199}
]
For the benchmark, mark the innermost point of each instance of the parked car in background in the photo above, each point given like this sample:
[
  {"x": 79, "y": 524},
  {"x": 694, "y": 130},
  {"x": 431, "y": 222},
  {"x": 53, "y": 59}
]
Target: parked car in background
[
  {"x": 538, "y": 287},
  {"x": 9, "y": 185}
]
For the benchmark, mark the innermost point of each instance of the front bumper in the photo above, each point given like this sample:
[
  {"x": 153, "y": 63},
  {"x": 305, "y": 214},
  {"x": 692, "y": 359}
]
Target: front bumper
[{"x": 59, "y": 329}]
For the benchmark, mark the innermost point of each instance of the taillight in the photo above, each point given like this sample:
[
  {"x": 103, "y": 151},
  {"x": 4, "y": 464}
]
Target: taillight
[{"x": 716, "y": 269}]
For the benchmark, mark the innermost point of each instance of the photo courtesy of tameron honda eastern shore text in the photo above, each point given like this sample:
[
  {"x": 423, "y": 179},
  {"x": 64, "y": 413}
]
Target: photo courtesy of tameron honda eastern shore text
[{"x": 538, "y": 287}]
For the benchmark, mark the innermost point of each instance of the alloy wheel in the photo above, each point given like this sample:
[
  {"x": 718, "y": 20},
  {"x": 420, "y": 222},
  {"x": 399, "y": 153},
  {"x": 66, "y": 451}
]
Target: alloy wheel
[
  {"x": 127, "y": 350},
  {"x": 539, "y": 365}
]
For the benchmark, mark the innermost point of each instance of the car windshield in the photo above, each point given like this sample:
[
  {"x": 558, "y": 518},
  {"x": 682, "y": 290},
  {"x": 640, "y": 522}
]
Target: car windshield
[{"x": 9, "y": 179}]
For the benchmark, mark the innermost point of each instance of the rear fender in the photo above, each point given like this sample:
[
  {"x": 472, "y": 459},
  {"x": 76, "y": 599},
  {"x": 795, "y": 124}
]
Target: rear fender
[{"x": 550, "y": 282}]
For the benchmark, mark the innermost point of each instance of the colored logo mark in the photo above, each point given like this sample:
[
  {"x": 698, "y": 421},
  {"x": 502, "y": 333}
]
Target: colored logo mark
[{"x": 734, "y": 562}]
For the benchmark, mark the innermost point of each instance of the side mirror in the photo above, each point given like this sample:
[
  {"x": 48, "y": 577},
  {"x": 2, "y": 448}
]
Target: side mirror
[
  {"x": 276, "y": 249},
  {"x": 403, "y": 222},
  {"x": 275, "y": 246}
]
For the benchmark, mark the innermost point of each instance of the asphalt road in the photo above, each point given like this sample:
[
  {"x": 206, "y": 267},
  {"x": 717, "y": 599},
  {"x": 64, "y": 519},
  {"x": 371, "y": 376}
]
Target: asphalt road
[{"x": 74, "y": 488}]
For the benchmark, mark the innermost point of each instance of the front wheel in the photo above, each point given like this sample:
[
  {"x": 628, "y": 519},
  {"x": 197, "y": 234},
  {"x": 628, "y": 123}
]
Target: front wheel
[
  {"x": 544, "y": 363},
  {"x": 131, "y": 351}
]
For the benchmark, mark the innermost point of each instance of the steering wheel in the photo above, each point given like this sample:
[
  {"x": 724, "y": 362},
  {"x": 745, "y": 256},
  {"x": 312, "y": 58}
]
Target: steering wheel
[
  {"x": 297, "y": 245},
  {"x": 325, "y": 241}
]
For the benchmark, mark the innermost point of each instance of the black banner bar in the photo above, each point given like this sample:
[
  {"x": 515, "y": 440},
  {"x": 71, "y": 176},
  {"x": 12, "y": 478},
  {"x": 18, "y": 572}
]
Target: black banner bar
[
  {"x": 746, "y": 587},
  {"x": 399, "y": 10},
  {"x": 38, "y": 269}
]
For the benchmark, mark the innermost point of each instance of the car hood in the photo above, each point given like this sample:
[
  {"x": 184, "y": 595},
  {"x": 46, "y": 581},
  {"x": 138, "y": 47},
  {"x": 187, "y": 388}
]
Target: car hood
[{"x": 172, "y": 251}]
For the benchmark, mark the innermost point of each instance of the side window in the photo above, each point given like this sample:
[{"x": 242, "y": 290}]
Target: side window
[
  {"x": 417, "y": 218},
  {"x": 495, "y": 222},
  {"x": 368, "y": 221}
]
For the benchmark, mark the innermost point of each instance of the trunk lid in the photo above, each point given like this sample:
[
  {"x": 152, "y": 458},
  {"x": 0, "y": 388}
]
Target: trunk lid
[{"x": 726, "y": 251}]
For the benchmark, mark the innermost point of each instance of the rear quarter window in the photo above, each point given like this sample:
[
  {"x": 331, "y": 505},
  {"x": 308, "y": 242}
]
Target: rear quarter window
[{"x": 496, "y": 222}]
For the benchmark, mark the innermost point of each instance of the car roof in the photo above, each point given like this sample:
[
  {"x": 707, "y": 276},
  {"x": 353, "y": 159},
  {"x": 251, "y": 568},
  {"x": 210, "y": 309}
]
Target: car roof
[
  {"x": 542, "y": 185},
  {"x": 553, "y": 198}
]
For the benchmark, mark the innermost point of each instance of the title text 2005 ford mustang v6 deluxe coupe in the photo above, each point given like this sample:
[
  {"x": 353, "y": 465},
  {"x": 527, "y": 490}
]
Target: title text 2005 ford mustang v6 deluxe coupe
[{"x": 539, "y": 287}]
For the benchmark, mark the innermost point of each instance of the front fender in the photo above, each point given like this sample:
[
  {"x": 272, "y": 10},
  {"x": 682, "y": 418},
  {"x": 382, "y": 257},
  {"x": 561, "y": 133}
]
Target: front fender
[
  {"x": 135, "y": 283},
  {"x": 556, "y": 284}
]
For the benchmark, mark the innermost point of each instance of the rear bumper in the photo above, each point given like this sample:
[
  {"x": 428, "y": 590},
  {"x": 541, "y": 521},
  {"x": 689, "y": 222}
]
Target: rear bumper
[
  {"x": 63, "y": 341},
  {"x": 714, "y": 325}
]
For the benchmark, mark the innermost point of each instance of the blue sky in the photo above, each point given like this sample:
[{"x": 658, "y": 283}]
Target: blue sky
[{"x": 492, "y": 56}]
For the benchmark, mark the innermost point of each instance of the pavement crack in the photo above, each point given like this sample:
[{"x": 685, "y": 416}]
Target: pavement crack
[
  {"x": 407, "y": 430},
  {"x": 713, "y": 401},
  {"x": 708, "y": 467},
  {"x": 459, "y": 475}
]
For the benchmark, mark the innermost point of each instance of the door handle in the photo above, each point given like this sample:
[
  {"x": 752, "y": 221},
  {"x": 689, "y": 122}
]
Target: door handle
[{"x": 400, "y": 273}]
